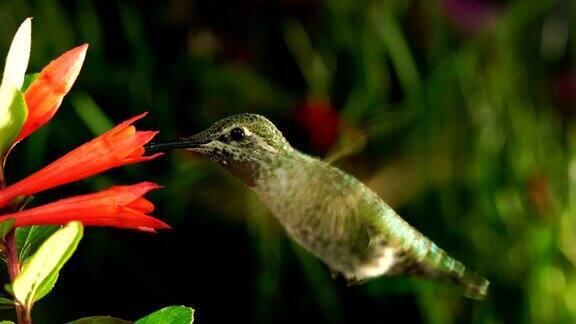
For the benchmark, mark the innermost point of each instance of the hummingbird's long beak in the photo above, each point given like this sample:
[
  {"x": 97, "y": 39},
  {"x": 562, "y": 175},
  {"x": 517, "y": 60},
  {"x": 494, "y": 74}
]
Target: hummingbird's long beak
[
  {"x": 190, "y": 143},
  {"x": 183, "y": 143}
]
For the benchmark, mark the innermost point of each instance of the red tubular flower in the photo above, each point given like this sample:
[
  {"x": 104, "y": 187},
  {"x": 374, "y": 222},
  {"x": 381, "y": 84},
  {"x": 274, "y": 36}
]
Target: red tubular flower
[
  {"x": 119, "y": 206},
  {"x": 44, "y": 95},
  {"x": 119, "y": 146}
]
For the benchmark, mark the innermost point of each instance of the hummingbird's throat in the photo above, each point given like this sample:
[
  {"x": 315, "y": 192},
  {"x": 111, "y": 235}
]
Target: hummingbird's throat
[{"x": 236, "y": 162}]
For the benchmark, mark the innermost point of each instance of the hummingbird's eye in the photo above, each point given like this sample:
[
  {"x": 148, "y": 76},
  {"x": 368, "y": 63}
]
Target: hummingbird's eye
[{"x": 237, "y": 134}]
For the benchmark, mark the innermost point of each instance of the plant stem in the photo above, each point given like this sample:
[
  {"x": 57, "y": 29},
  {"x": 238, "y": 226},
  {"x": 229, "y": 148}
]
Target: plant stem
[
  {"x": 2, "y": 178},
  {"x": 12, "y": 256},
  {"x": 13, "y": 271}
]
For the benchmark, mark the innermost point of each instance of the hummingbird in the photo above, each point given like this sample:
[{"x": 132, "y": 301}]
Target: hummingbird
[{"x": 327, "y": 211}]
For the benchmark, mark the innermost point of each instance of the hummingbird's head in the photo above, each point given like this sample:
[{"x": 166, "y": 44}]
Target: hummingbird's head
[{"x": 243, "y": 144}]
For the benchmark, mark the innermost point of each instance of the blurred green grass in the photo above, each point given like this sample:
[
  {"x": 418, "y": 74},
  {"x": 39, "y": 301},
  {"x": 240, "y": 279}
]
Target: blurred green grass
[{"x": 459, "y": 113}]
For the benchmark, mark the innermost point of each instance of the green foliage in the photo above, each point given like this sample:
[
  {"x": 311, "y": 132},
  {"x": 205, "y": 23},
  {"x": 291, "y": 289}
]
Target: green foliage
[
  {"x": 18, "y": 56},
  {"x": 13, "y": 114},
  {"x": 100, "y": 320},
  {"x": 167, "y": 315},
  {"x": 29, "y": 238},
  {"x": 6, "y": 303},
  {"x": 170, "y": 315},
  {"x": 5, "y": 227},
  {"x": 40, "y": 273},
  {"x": 13, "y": 109}
]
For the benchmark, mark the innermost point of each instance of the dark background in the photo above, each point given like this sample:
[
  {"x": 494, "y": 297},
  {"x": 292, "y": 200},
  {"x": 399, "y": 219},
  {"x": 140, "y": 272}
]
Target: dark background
[{"x": 458, "y": 113}]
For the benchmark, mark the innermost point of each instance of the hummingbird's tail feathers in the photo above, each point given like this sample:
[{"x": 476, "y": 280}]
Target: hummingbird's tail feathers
[
  {"x": 473, "y": 285},
  {"x": 469, "y": 283},
  {"x": 436, "y": 264}
]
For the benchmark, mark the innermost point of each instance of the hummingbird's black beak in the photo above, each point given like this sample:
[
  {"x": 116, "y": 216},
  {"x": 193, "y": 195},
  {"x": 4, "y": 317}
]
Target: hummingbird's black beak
[
  {"x": 190, "y": 143},
  {"x": 183, "y": 143}
]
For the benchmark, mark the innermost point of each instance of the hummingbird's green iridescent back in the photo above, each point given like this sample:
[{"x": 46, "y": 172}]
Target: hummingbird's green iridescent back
[{"x": 329, "y": 212}]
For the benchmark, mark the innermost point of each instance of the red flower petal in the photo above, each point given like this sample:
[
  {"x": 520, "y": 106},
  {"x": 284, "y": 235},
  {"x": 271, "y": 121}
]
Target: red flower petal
[
  {"x": 119, "y": 146},
  {"x": 44, "y": 95},
  {"x": 142, "y": 205},
  {"x": 113, "y": 207}
]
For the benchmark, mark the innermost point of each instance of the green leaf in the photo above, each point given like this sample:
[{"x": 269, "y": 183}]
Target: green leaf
[
  {"x": 170, "y": 315},
  {"x": 5, "y": 227},
  {"x": 18, "y": 56},
  {"x": 13, "y": 113},
  {"x": 6, "y": 301},
  {"x": 28, "y": 239},
  {"x": 49, "y": 283},
  {"x": 38, "y": 274},
  {"x": 45, "y": 289},
  {"x": 100, "y": 320},
  {"x": 6, "y": 322}
]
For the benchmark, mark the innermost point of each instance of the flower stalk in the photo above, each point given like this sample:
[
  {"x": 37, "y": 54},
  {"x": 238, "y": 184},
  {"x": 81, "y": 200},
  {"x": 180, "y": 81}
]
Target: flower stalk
[{"x": 13, "y": 263}]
